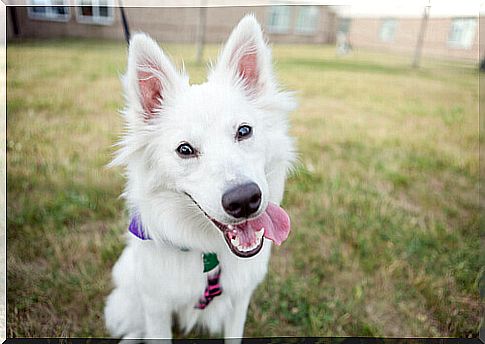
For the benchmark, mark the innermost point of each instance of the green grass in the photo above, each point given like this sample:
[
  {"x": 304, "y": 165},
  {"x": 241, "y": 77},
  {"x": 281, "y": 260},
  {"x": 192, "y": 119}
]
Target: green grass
[{"x": 383, "y": 201}]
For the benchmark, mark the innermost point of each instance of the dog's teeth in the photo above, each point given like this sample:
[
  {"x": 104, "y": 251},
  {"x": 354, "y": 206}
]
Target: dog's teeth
[
  {"x": 243, "y": 248},
  {"x": 260, "y": 230},
  {"x": 235, "y": 241},
  {"x": 231, "y": 227},
  {"x": 252, "y": 246}
]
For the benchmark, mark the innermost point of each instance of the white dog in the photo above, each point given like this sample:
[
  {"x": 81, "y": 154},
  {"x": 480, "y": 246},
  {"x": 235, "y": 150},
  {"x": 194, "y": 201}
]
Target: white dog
[{"x": 205, "y": 166}]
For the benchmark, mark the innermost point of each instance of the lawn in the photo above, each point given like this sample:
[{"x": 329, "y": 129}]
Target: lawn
[{"x": 383, "y": 201}]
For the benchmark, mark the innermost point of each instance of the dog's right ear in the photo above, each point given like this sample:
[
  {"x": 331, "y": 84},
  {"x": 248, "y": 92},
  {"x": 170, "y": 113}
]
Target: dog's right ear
[{"x": 151, "y": 79}]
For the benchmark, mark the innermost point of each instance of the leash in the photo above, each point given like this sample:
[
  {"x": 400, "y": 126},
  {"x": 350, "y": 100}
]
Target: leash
[
  {"x": 211, "y": 265},
  {"x": 126, "y": 28},
  {"x": 213, "y": 288}
]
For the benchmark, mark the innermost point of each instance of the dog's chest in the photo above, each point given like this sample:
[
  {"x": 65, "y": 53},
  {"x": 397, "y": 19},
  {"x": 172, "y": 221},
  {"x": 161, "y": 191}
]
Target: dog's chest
[{"x": 179, "y": 276}]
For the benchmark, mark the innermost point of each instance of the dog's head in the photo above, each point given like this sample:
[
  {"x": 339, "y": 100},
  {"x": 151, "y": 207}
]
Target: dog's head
[{"x": 215, "y": 153}]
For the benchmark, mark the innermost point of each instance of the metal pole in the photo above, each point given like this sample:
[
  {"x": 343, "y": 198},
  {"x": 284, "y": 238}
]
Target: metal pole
[
  {"x": 15, "y": 23},
  {"x": 201, "y": 31},
  {"x": 422, "y": 31},
  {"x": 125, "y": 23}
]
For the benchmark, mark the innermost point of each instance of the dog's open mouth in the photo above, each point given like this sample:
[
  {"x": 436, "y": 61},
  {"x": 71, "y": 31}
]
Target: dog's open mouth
[
  {"x": 246, "y": 239},
  {"x": 242, "y": 239}
]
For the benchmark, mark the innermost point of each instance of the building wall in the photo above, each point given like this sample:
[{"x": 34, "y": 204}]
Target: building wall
[
  {"x": 364, "y": 32},
  {"x": 33, "y": 28},
  {"x": 172, "y": 24},
  {"x": 324, "y": 33}
]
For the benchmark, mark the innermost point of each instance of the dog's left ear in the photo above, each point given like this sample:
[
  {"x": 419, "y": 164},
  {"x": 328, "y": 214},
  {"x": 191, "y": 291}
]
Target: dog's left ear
[{"x": 246, "y": 58}]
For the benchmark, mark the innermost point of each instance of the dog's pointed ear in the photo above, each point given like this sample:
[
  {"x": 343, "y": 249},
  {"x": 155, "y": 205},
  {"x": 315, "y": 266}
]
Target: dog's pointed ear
[
  {"x": 247, "y": 58},
  {"x": 151, "y": 78}
]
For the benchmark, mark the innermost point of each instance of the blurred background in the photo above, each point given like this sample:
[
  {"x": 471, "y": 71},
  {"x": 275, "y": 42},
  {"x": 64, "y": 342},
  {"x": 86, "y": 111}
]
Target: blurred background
[
  {"x": 450, "y": 30},
  {"x": 384, "y": 199}
]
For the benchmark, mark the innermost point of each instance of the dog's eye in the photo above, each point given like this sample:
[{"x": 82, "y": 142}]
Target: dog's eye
[
  {"x": 244, "y": 132},
  {"x": 185, "y": 150}
]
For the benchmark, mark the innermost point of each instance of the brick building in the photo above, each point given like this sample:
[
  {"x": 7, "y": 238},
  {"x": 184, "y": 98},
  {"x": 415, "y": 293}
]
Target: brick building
[
  {"x": 99, "y": 19},
  {"x": 452, "y": 29},
  {"x": 451, "y": 34}
]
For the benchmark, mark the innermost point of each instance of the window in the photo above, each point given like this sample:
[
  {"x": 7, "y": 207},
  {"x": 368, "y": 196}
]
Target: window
[
  {"x": 95, "y": 12},
  {"x": 462, "y": 33},
  {"x": 307, "y": 19},
  {"x": 44, "y": 10},
  {"x": 279, "y": 19},
  {"x": 388, "y": 30}
]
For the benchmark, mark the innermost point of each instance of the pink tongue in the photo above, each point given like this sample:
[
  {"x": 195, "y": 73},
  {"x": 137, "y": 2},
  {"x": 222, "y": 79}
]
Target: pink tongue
[{"x": 275, "y": 221}]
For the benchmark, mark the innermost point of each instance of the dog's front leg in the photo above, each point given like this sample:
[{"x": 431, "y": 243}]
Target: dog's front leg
[
  {"x": 158, "y": 323},
  {"x": 234, "y": 324}
]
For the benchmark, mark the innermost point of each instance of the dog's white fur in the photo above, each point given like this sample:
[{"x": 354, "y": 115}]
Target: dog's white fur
[{"x": 154, "y": 279}]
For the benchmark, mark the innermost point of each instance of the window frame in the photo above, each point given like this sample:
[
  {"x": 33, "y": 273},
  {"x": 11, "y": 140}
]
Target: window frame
[
  {"x": 384, "y": 23},
  {"x": 462, "y": 43},
  {"x": 95, "y": 19},
  {"x": 304, "y": 29},
  {"x": 279, "y": 29},
  {"x": 49, "y": 14}
]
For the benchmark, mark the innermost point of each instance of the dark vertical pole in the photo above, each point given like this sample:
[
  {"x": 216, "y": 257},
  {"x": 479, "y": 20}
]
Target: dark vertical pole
[
  {"x": 422, "y": 32},
  {"x": 15, "y": 23},
  {"x": 125, "y": 23}
]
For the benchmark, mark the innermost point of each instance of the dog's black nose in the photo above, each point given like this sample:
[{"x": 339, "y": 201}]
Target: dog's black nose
[{"x": 242, "y": 200}]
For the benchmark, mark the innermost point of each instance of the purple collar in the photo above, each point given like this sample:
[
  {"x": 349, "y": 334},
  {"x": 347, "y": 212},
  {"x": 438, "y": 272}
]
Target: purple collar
[{"x": 136, "y": 229}]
